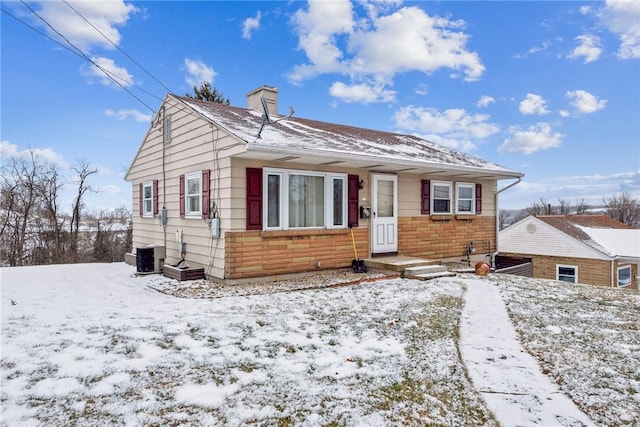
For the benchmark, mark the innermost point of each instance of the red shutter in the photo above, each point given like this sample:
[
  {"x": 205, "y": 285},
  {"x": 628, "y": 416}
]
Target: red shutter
[
  {"x": 353, "y": 198},
  {"x": 181, "y": 196},
  {"x": 254, "y": 199},
  {"x": 425, "y": 191},
  {"x": 206, "y": 187},
  {"x": 140, "y": 199},
  {"x": 155, "y": 197},
  {"x": 478, "y": 198}
]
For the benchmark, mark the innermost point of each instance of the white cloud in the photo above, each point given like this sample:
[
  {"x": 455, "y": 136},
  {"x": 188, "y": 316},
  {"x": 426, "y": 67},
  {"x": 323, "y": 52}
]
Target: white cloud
[
  {"x": 363, "y": 93},
  {"x": 585, "y": 10},
  {"x": 454, "y": 128},
  {"x": 108, "y": 72},
  {"x": 251, "y": 24},
  {"x": 124, "y": 114},
  {"x": 9, "y": 150},
  {"x": 588, "y": 47},
  {"x": 485, "y": 100},
  {"x": 106, "y": 16},
  {"x": 622, "y": 17},
  {"x": 381, "y": 45},
  {"x": 537, "y": 137},
  {"x": 198, "y": 72},
  {"x": 533, "y": 104},
  {"x": 584, "y": 102}
]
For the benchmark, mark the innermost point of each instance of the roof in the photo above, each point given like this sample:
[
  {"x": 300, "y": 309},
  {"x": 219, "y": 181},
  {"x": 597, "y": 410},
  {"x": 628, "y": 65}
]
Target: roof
[
  {"x": 304, "y": 137},
  {"x": 600, "y": 232}
]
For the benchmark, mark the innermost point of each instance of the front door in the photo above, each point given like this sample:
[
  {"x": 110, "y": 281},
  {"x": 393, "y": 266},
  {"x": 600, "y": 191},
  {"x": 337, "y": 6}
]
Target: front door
[{"x": 384, "y": 214}]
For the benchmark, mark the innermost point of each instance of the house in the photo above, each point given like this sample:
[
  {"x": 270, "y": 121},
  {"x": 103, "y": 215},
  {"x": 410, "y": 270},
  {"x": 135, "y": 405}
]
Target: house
[
  {"x": 244, "y": 192},
  {"x": 590, "y": 249}
]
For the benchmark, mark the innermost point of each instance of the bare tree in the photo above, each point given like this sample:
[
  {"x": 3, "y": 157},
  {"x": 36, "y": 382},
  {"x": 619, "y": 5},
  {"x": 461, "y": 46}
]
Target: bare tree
[
  {"x": 563, "y": 208},
  {"x": 504, "y": 219},
  {"x": 623, "y": 208},
  {"x": 84, "y": 172},
  {"x": 582, "y": 207}
]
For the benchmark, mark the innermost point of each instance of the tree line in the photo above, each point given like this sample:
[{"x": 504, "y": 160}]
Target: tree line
[
  {"x": 622, "y": 207},
  {"x": 35, "y": 230}
]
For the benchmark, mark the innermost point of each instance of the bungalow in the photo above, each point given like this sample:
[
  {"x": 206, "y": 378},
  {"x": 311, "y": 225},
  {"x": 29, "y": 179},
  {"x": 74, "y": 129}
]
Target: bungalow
[
  {"x": 243, "y": 192},
  {"x": 589, "y": 249}
]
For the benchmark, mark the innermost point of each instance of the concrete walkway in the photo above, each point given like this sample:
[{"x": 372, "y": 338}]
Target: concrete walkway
[{"x": 509, "y": 378}]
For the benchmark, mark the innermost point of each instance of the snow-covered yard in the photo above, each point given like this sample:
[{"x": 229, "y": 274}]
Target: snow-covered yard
[{"x": 92, "y": 344}]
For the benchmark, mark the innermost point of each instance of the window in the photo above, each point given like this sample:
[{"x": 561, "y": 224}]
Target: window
[
  {"x": 193, "y": 194},
  {"x": 147, "y": 199},
  {"x": 296, "y": 199},
  {"x": 441, "y": 197},
  {"x": 624, "y": 276},
  {"x": 465, "y": 202},
  {"x": 567, "y": 273}
]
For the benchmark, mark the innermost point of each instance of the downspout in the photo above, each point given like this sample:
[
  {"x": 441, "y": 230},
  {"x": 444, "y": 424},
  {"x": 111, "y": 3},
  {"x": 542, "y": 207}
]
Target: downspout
[{"x": 519, "y": 179}]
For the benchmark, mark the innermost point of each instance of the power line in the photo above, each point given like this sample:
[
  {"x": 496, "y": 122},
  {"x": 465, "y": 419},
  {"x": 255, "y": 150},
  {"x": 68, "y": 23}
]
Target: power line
[
  {"x": 80, "y": 53},
  {"x": 116, "y": 46}
]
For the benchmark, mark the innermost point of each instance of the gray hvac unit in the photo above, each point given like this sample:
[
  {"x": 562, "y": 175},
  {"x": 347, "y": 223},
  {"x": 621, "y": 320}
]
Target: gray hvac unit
[{"x": 150, "y": 258}]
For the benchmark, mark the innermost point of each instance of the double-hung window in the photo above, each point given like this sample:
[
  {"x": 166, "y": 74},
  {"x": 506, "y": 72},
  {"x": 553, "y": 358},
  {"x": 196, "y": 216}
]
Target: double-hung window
[
  {"x": 147, "y": 199},
  {"x": 304, "y": 199},
  {"x": 193, "y": 194},
  {"x": 465, "y": 198},
  {"x": 440, "y": 197},
  {"x": 624, "y": 276},
  {"x": 567, "y": 273}
]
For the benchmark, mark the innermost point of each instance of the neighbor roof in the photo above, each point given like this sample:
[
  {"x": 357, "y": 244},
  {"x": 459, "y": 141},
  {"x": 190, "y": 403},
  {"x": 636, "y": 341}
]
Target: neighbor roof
[
  {"x": 600, "y": 232},
  {"x": 293, "y": 135}
]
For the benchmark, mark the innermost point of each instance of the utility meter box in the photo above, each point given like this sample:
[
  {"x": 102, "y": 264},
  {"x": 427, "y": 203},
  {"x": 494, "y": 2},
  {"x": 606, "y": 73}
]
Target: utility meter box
[{"x": 215, "y": 227}]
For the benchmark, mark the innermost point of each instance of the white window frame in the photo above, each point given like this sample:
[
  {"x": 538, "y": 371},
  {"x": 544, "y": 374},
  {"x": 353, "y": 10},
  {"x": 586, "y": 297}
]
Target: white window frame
[
  {"x": 433, "y": 198},
  {"x": 472, "y": 187},
  {"x": 147, "y": 213},
  {"x": 623, "y": 267},
  {"x": 283, "y": 209},
  {"x": 575, "y": 274},
  {"x": 189, "y": 213}
]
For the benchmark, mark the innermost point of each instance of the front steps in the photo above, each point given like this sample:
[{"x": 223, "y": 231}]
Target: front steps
[{"x": 410, "y": 267}]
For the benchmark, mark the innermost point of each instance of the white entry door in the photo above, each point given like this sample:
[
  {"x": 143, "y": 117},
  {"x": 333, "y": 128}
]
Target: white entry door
[{"x": 384, "y": 214}]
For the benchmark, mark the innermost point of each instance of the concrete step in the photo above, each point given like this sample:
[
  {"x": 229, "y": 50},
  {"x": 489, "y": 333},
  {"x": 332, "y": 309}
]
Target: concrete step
[
  {"x": 430, "y": 276},
  {"x": 424, "y": 269},
  {"x": 397, "y": 263}
]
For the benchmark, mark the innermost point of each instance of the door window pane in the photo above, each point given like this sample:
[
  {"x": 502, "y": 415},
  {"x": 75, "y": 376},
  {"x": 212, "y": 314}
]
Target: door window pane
[{"x": 385, "y": 199}]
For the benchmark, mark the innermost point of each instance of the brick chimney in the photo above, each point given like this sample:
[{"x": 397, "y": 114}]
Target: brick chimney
[{"x": 270, "y": 95}]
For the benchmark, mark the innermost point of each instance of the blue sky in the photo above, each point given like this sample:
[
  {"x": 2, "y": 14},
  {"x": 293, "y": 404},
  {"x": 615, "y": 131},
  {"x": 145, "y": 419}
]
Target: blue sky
[{"x": 550, "y": 89}]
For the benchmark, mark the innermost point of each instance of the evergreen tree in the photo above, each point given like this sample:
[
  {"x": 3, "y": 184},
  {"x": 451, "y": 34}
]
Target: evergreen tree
[{"x": 206, "y": 93}]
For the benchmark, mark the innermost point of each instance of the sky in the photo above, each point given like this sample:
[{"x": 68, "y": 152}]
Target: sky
[{"x": 549, "y": 89}]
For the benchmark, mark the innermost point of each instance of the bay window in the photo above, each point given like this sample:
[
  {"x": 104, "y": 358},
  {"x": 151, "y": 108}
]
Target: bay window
[{"x": 304, "y": 199}]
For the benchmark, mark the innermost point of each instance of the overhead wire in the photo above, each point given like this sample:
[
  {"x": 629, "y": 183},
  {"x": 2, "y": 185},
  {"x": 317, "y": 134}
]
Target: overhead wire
[{"x": 80, "y": 53}]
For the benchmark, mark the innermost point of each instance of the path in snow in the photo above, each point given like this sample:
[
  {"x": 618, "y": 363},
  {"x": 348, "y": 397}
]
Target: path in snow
[{"x": 508, "y": 377}]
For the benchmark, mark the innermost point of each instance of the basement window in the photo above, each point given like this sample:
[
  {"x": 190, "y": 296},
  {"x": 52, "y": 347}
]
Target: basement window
[
  {"x": 567, "y": 273},
  {"x": 624, "y": 276}
]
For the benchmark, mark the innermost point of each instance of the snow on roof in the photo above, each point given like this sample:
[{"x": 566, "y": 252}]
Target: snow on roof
[
  {"x": 303, "y": 134},
  {"x": 601, "y": 232},
  {"x": 616, "y": 242}
]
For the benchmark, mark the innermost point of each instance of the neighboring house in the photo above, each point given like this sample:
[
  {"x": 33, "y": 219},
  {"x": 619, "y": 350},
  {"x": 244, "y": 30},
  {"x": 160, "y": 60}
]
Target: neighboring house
[
  {"x": 242, "y": 195},
  {"x": 590, "y": 249}
]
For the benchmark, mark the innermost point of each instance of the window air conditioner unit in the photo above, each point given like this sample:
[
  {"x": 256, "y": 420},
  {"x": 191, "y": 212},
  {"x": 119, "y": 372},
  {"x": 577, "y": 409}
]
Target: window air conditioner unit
[{"x": 150, "y": 258}]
